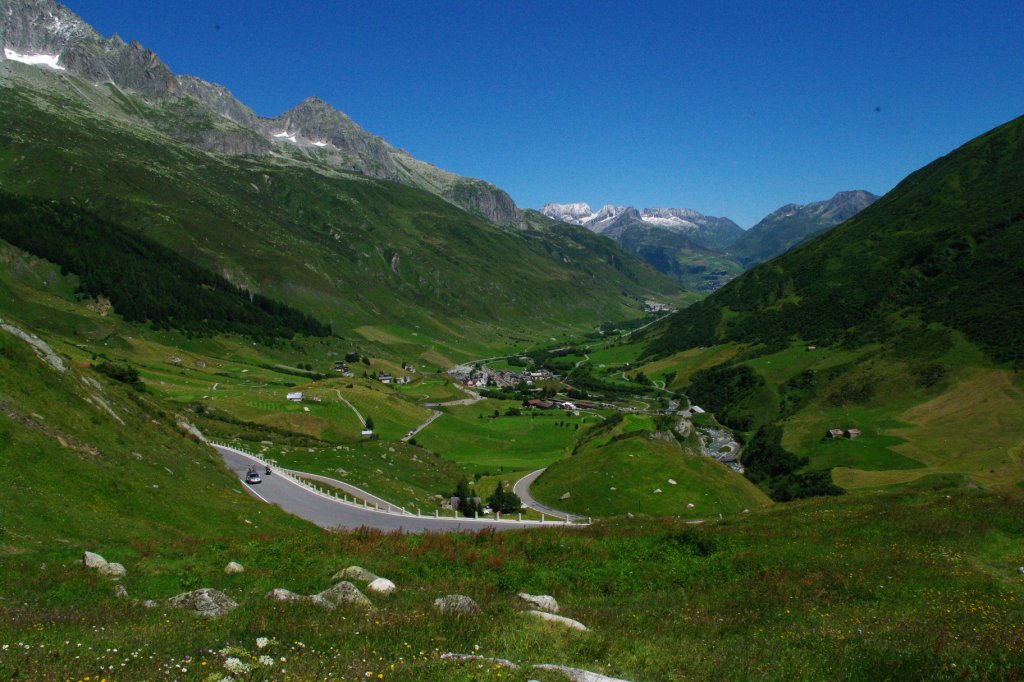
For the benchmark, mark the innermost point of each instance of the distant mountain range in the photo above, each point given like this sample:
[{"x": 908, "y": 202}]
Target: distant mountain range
[{"x": 704, "y": 252}]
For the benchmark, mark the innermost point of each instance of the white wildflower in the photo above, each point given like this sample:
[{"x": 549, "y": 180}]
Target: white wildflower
[
  {"x": 262, "y": 642},
  {"x": 266, "y": 660},
  {"x": 236, "y": 665}
]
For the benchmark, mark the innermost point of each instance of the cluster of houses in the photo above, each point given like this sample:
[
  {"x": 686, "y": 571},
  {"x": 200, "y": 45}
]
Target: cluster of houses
[
  {"x": 388, "y": 378},
  {"x": 658, "y": 307},
  {"x": 342, "y": 368},
  {"x": 500, "y": 378},
  {"x": 843, "y": 433},
  {"x": 300, "y": 397}
]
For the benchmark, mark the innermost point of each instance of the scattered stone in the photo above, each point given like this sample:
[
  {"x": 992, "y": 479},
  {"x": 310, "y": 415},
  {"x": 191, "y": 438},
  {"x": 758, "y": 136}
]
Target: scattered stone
[
  {"x": 689, "y": 505},
  {"x": 1020, "y": 569},
  {"x": 457, "y": 605},
  {"x": 657, "y": 491},
  {"x": 629, "y": 515},
  {"x": 93, "y": 560},
  {"x": 543, "y": 602},
  {"x": 112, "y": 570},
  {"x": 671, "y": 482},
  {"x": 565, "y": 496},
  {"x": 354, "y": 573},
  {"x": 561, "y": 620},
  {"x": 205, "y": 601},
  {"x": 281, "y": 594},
  {"x": 234, "y": 567},
  {"x": 120, "y": 592},
  {"x": 150, "y": 604},
  {"x": 472, "y": 658},
  {"x": 381, "y": 586},
  {"x": 577, "y": 675},
  {"x": 343, "y": 593}
]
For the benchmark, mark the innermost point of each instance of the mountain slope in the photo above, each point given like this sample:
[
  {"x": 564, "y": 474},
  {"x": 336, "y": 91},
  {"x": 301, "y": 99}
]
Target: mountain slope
[
  {"x": 353, "y": 251},
  {"x": 792, "y": 224},
  {"x": 942, "y": 246},
  {"x": 44, "y": 32}
]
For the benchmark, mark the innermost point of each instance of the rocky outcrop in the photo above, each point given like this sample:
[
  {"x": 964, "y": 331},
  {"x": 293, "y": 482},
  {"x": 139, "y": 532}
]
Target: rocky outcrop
[
  {"x": 206, "y": 602},
  {"x": 457, "y": 605},
  {"x": 102, "y": 566}
]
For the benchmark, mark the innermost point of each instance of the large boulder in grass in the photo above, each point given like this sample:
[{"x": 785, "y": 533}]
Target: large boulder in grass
[
  {"x": 456, "y": 605},
  {"x": 343, "y": 593},
  {"x": 354, "y": 573},
  {"x": 206, "y": 602}
]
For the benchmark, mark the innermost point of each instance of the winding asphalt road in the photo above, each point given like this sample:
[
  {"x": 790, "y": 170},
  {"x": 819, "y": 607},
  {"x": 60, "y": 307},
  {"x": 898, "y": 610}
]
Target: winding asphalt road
[
  {"x": 328, "y": 512},
  {"x": 522, "y": 489}
]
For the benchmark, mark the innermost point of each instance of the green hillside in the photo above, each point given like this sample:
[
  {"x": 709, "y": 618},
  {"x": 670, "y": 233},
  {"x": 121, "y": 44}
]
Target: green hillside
[
  {"x": 638, "y": 473},
  {"x": 905, "y": 323},
  {"x": 358, "y": 254},
  {"x": 939, "y": 248}
]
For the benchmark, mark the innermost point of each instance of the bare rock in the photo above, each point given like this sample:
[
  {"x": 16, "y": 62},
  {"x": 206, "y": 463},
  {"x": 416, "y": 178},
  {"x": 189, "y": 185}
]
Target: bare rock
[
  {"x": 354, "y": 573},
  {"x": 120, "y": 592},
  {"x": 457, "y": 605},
  {"x": 561, "y": 620},
  {"x": 565, "y": 496},
  {"x": 473, "y": 658},
  {"x": 112, "y": 570},
  {"x": 150, "y": 604},
  {"x": 343, "y": 593},
  {"x": 577, "y": 675},
  {"x": 93, "y": 560},
  {"x": 281, "y": 594},
  {"x": 206, "y": 602},
  {"x": 233, "y": 568},
  {"x": 381, "y": 586},
  {"x": 543, "y": 602}
]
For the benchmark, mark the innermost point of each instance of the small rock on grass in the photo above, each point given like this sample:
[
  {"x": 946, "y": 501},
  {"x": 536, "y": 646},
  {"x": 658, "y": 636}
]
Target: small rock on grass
[
  {"x": 354, "y": 573},
  {"x": 456, "y": 605},
  {"x": 381, "y": 586},
  {"x": 206, "y": 602},
  {"x": 577, "y": 675},
  {"x": 560, "y": 620},
  {"x": 234, "y": 567},
  {"x": 473, "y": 658},
  {"x": 344, "y": 593},
  {"x": 93, "y": 560},
  {"x": 543, "y": 602},
  {"x": 112, "y": 570},
  {"x": 120, "y": 591}
]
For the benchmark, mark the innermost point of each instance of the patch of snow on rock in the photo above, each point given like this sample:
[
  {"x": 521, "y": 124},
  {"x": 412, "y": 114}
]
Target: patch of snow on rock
[{"x": 49, "y": 60}]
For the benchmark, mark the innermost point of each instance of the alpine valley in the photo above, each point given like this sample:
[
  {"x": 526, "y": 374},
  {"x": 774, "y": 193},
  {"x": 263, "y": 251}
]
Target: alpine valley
[{"x": 279, "y": 401}]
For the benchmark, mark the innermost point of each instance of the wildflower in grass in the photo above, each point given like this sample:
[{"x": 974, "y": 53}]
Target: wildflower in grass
[
  {"x": 262, "y": 642},
  {"x": 236, "y": 665},
  {"x": 266, "y": 661}
]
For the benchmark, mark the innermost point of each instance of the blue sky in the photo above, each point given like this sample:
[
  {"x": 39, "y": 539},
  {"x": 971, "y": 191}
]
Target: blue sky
[{"x": 729, "y": 108}]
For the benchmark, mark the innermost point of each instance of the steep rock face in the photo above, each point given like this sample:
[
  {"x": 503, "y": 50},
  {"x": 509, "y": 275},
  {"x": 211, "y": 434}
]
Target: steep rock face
[
  {"x": 41, "y": 27},
  {"x": 792, "y": 224},
  {"x": 45, "y": 32}
]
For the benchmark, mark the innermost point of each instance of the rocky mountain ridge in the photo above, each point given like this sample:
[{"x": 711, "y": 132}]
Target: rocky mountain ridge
[
  {"x": 46, "y": 34},
  {"x": 792, "y": 224}
]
